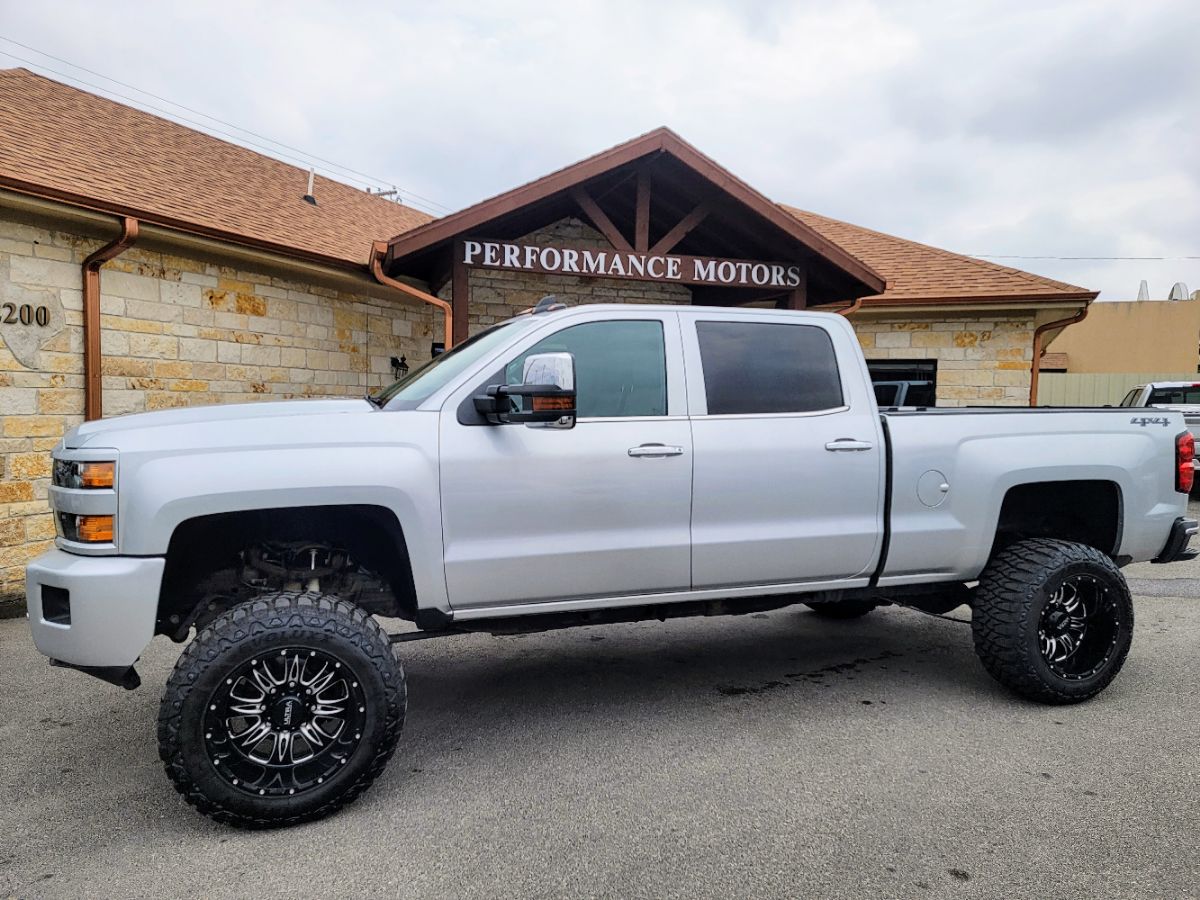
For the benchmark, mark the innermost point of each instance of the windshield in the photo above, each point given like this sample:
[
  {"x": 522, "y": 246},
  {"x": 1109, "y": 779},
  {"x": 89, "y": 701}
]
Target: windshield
[{"x": 412, "y": 390}]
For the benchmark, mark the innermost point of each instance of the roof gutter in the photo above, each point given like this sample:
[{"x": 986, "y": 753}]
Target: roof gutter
[
  {"x": 378, "y": 253},
  {"x": 93, "y": 385},
  {"x": 1036, "y": 367},
  {"x": 169, "y": 222}
]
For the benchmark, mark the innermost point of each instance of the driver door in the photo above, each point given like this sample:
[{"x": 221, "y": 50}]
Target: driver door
[{"x": 534, "y": 513}]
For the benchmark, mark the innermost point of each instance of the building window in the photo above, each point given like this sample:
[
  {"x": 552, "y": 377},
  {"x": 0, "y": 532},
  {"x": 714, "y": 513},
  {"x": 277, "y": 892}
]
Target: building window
[{"x": 904, "y": 382}]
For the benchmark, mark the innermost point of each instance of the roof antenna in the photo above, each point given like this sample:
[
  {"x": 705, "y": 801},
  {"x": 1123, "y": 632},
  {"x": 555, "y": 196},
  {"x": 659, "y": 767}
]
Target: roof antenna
[{"x": 308, "y": 196}]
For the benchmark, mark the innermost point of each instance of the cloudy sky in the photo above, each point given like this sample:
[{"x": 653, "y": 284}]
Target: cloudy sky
[{"x": 1011, "y": 128}]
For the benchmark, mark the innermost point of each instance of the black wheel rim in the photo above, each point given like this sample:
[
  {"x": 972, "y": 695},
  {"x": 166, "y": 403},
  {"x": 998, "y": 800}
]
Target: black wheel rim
[
  {"x": 1079, "y": 628},
  {"x": 285, "y": 721}
]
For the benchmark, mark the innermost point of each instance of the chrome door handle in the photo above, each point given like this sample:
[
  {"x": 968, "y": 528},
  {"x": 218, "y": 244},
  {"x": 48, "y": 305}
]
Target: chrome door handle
[
  {"x": 842, "y": 444},
  {"x": 655, "y": 451}
]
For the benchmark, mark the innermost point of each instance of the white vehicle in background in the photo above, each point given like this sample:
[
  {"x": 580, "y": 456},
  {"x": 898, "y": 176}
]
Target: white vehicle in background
[{"x": 1181, "y": 396}]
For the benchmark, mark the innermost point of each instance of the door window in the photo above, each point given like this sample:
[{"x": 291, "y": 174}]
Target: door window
[
  {"x": 765, "y": 367},
  {"x": 620, "y": 367}
]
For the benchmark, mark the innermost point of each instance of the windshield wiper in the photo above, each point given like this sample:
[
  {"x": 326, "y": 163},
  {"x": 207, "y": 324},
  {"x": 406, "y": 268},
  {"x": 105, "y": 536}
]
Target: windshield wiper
[{"x": 373, "y": 400}]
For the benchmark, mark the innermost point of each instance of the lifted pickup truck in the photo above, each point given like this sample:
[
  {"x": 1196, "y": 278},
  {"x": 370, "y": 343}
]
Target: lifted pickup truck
[{"x": 574, "y": 467}]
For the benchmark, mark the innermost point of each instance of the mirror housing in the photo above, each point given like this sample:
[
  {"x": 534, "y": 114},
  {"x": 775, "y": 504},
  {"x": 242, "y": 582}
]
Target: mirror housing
[{"x": 547, "y": 380}]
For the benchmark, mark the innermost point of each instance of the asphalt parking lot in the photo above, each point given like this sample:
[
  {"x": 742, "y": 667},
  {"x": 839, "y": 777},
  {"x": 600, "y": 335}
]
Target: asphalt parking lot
[{"x": 766, "y": 755}]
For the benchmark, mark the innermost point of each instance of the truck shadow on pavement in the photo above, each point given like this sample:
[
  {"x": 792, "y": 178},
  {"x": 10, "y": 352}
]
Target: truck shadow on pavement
[{"x": 520, "y": 694}]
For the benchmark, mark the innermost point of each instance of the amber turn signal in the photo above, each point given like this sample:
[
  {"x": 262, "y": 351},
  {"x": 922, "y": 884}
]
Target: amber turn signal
[
  {"x": 97, "y": 474},
  {"x": 95, "y": 529},
  {"x": 549, "y": 404}
]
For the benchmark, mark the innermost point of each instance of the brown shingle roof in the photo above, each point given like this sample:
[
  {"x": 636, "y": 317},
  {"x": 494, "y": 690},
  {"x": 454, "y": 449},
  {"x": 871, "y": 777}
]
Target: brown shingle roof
[
  {"x": 64, "y": 143},
  {"x": 918, "y": 273},
  {"x": 67, "y": 144}
]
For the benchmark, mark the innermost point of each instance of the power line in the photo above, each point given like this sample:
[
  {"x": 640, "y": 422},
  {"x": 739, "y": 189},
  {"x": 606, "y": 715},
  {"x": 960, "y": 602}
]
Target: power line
[
  {"x": 372, "y": 178},
  {"x": 305, "y": 157},
  {"x": 1137, "y": 258}
]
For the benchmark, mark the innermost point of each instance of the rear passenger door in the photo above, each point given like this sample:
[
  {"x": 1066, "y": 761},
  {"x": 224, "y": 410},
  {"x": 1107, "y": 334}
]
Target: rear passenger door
[{"x": 788, "y": 453}]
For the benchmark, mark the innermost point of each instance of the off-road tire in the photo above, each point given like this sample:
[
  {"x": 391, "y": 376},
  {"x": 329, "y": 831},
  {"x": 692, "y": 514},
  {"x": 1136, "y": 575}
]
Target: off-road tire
[
  {"x": 1013, "y": 592},
  {"x": 330, "y": 626},
  {"x": 853, "y": 608}
]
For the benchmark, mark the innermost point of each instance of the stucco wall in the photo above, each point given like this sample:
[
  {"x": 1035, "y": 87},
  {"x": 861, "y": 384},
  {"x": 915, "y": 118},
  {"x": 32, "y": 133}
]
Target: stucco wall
[
  {"x": 1134, "y": 337},
  {"x": 175, "y": 331}
]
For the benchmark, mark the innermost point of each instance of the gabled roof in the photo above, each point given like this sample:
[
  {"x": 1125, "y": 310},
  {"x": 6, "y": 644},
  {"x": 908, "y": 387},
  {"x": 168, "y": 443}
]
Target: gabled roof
[
  {"x": 66, "y": 144},
  {"x": 919, "y": 274},
  {"x": 661, "y": 142}
]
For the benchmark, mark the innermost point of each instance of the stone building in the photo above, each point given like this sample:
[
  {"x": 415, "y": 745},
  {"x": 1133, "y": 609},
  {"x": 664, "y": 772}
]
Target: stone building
[{"x": 144, "y": 265}]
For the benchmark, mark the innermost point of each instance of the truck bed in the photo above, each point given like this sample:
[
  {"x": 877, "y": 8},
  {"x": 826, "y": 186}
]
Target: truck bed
[{"x": 979, "y": 453}]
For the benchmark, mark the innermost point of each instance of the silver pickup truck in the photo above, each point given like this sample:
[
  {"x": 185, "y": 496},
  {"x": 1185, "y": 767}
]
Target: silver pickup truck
[{"x": 575, "y": 467}]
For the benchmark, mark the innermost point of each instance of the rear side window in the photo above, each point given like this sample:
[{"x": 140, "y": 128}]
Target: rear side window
[
  {"x": 1187, "y": 395},
  {"x": 764, "y": 367},
  {"x": 1131, "y": 397}
]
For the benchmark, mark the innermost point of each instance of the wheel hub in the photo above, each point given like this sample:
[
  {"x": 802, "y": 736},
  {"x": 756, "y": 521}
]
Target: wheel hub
[
  {"x": 285, "y": 721},
  {"x": 1078, "y": 627},
  {"x": 289, "y": 713}
]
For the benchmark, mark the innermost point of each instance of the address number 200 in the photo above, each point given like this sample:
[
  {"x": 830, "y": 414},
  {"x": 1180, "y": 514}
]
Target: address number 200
[{"x": 25, "y": 314}]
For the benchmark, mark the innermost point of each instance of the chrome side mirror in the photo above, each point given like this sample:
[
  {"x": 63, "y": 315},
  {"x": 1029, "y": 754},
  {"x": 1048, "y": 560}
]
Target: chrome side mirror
[
  {"x": 547, "y": 388},
  {"x": 557, "y": 369}
]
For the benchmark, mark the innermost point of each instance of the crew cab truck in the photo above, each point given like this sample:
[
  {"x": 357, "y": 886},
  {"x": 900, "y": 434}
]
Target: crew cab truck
[{"x": 574, "y": 467}]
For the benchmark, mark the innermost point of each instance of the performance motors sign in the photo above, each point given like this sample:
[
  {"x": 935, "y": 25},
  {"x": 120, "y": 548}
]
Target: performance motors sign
[{"x": 631, "y": 265}]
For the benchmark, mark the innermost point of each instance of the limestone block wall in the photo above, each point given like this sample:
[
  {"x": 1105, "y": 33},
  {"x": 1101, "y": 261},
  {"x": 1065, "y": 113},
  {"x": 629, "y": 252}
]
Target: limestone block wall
[
  {"x": 497, "y": 295},
  {"x": 982, "y": 360},
  {"x": 175, "y": 331}
]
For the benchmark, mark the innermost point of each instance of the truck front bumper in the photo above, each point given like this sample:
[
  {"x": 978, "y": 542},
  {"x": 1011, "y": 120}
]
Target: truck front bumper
[
  {"x": 1177, "y": 544},
  {"x": 94, "y": 613}
]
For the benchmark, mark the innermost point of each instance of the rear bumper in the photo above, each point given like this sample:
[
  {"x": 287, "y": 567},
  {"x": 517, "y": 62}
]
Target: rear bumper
[
  {"x": 92, "y": 612},
  {"x": 1177, "y": 544}
]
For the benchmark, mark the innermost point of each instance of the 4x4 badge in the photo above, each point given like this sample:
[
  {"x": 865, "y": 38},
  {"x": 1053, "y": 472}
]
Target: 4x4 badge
[{"x": 1147, "y": 420}]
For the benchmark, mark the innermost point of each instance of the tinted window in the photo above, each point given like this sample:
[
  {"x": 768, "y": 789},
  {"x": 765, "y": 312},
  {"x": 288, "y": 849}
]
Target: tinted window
[
  {"x": 620, "y": 367},
  {"x": 762, "y": 367},
  {"x": 887, "y": 394},
  {"x": 904, "y": 382},
  {"x": 1187, "y": 395}
]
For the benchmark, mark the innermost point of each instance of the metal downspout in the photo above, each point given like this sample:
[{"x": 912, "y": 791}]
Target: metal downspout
[
  {"x": 93, "y": 385},
  {"x": 852, "y": 308},
  {"x": 378, "y": 251},
  {"x": 1035, "y": 369}
]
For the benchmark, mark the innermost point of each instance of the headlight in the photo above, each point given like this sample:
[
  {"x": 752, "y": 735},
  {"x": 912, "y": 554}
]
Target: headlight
[{"x": 75, "y": 474}]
